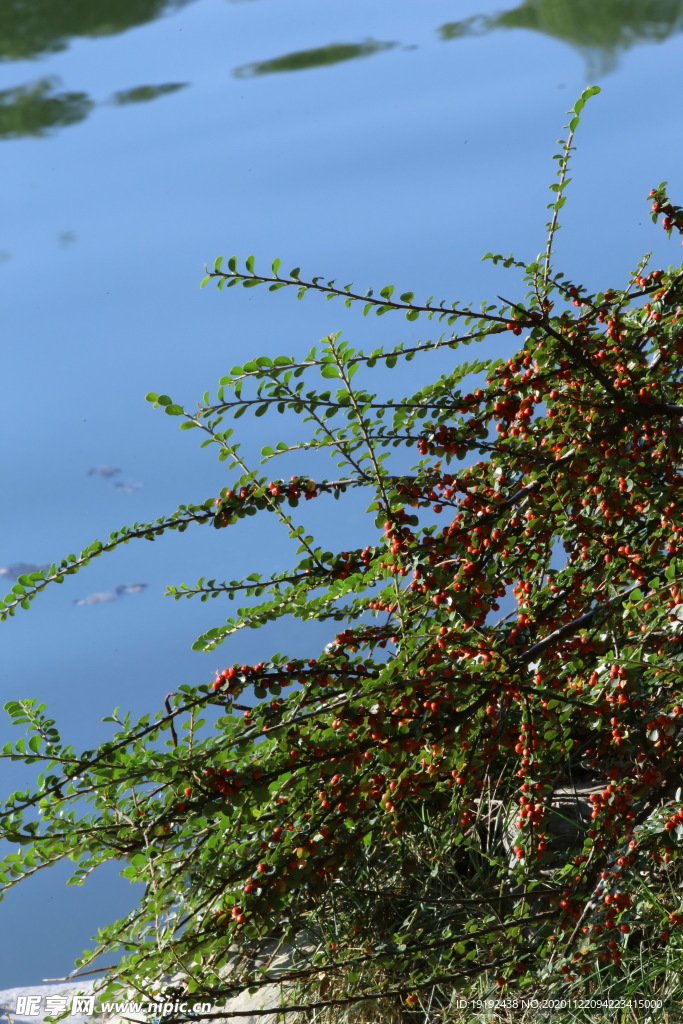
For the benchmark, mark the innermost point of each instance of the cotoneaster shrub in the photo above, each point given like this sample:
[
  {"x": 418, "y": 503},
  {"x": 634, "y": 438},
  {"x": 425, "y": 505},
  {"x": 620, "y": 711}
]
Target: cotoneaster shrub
[{"x": 450, "y": 799}]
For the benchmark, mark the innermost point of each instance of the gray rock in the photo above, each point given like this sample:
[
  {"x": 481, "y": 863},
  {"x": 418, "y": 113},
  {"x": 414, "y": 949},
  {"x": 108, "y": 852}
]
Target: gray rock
[
  {"x": 16, "y": 1002},
  {"x": 52, "y": 998},
  {"x": 566, "y": 821}
]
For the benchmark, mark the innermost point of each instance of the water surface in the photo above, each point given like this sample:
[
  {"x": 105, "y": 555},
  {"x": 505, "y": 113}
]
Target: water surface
[{"x": 374, "y": 143}]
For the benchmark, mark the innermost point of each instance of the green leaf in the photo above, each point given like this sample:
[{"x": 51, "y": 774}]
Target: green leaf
[
  {"x": 249, "y": 263},
  {"x": 592, "y": 90}
]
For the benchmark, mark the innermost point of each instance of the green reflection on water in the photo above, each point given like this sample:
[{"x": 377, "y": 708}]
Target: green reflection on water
[
  {"x": 144, "y": 93},
  {"x": 29, "y": 28},
  {"x": 599, "y": 29},
  {"x": 32, "y": 110},
  {"x": 301, "y": 60},
  {"x": 32, "y": 28},
  {"x": 37, "y": 109}
]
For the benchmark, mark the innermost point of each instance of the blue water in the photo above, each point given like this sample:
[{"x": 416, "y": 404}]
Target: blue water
[{"x": 398, "y": 163}]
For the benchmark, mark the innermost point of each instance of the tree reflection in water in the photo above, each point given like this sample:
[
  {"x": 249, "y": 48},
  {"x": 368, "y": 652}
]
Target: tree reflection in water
[
  {"x": 36, "y": 28},
  {"x": 321, "y": 56},
  {"x": 32, "y": 28},
  {"x": 601, "y": 32}
]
